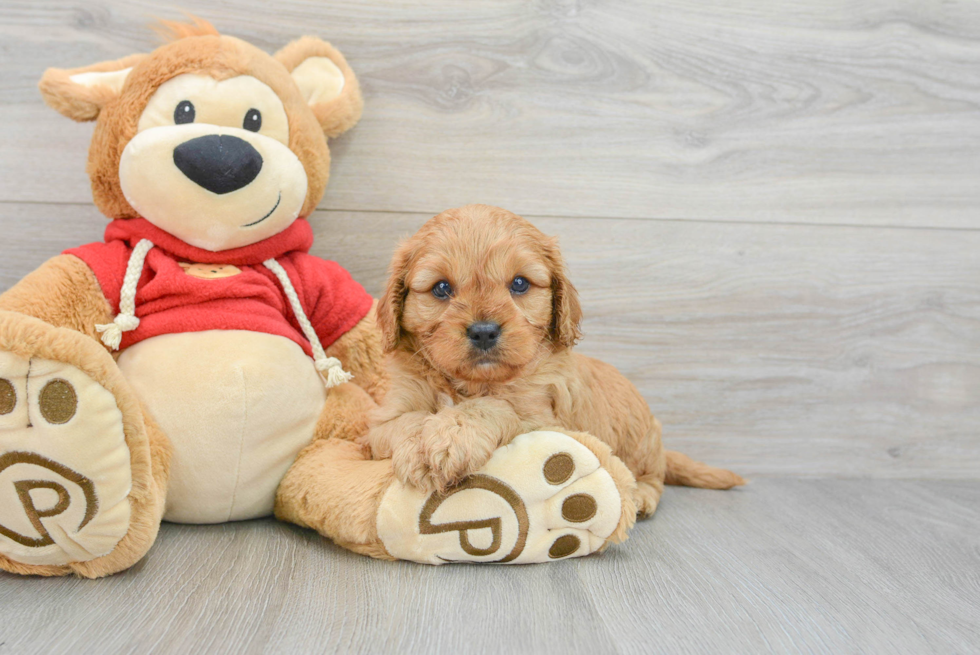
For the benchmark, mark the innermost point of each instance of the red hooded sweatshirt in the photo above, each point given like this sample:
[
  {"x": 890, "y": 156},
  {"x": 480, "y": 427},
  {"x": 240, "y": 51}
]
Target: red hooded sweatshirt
[{"x": 170, "y": 299}]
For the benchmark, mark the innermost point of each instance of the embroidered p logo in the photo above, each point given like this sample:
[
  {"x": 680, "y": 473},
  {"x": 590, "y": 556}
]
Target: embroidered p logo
[
  {"x": 25, "y": 489},
  {"x": 494, "y": 486},
  {"x": 543, "y": 497}
]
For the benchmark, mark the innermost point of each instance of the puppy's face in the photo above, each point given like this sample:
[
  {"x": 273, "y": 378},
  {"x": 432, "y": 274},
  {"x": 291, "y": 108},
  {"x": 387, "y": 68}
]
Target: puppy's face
[{"x": 480, "y": 294}]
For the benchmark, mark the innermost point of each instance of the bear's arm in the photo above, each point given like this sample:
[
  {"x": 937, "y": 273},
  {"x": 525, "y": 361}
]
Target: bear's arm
[
  {"x": 360, "y": 351},
  {"x": 63, "y": 292}
]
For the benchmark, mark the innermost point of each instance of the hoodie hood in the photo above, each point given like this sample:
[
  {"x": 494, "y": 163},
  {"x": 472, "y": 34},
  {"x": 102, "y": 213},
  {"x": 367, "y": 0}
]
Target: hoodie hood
[{"x": 298, "y": 237}]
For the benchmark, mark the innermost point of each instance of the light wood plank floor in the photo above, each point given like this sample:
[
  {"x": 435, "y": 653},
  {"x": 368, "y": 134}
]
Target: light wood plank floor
[
  {"x": 772, "y": 212},
  {"x": 782, "y": 566}
]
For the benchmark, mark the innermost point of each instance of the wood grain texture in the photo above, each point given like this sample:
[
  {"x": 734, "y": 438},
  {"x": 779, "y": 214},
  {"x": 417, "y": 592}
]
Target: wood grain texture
[
  {"x": 773, "y": 349},
  {"x": 824, "y": 112},
  {"x": 780, "y": 566},
  {"x": 771, "y": 212}
]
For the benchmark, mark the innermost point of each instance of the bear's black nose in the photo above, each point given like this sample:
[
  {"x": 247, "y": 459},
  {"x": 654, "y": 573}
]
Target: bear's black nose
[{"x": 218, "y": 162}]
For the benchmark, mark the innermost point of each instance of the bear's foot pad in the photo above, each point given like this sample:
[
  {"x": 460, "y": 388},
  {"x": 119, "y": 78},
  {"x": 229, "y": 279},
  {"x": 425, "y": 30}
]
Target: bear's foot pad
[
  {"x": 541, "y": 498},
  {"x": 65, "y": 472}
]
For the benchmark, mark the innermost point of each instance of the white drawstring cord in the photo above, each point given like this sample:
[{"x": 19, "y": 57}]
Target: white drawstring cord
[
  {"x": 331, "y": 369},
  {"x": 126, "y": 318}
]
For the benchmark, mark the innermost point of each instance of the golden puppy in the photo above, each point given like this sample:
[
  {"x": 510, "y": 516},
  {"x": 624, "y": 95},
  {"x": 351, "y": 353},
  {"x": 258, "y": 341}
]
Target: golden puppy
[{"x": 480, "y": 319}]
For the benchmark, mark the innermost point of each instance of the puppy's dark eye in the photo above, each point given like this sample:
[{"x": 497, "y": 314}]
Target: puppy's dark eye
[
  {"x": 519, "y": 286},
  {"x": 442, "y": 290},
  {"x": 253, "y": 120},
  {"x": 184, "y": 113}
]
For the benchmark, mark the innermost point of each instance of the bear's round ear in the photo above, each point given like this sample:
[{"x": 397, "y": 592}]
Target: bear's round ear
[
  {"x": 81, "y": 93},
  {"x": 326, "y": 82}
]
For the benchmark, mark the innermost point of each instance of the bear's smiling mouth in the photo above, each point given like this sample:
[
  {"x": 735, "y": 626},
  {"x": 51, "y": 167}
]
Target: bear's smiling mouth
[{"x": 276, "y": 206}]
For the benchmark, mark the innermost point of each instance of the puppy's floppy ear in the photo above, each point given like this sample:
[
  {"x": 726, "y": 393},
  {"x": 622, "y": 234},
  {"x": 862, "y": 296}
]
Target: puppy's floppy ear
[
  {"x": 326, "y": 82},
  {"x": 392, "y": 302},
  {"x": 566, "y": 311},
  {"x": 81, "y": 93}
]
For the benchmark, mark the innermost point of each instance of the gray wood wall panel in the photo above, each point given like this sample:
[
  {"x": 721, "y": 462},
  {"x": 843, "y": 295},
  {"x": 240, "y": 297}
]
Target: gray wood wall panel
[
  {"x": 808, "y": 350},
  {"x": 843, "y": 112}
]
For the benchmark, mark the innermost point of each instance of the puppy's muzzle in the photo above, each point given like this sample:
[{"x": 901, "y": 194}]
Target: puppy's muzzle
[
  {"x": 220, "y": 163},
  {"x": 483, "y": 335}
]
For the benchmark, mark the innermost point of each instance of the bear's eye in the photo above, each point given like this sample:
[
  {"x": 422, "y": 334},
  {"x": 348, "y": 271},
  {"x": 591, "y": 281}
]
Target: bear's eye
[
  {"x": 519, "y": 286},
  {"x": 253, "y": 120},
  {"x": 184, "y": 113},
  {"x": 442, "y": 290}
]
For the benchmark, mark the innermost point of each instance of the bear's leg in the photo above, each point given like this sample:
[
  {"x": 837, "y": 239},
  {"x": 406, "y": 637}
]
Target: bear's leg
[
  {"x": 334, "y": 486},
  {"x": 547, "y": 495},
  {"x": 82, "y": 472}
]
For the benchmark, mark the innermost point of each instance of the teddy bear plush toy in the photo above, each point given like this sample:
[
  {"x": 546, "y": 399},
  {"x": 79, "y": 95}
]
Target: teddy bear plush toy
[{"x": 200, "y": 366}]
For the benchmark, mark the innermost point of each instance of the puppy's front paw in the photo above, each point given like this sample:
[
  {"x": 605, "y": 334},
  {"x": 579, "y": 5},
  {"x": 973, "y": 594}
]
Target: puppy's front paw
[
  {"x": 410, "y": 464},
  {"x": 450, "y": 464},
  {"x": 432, "y": 469},
  {"x": 443, "y": 453},
  {"x": 452, "y": 449}
]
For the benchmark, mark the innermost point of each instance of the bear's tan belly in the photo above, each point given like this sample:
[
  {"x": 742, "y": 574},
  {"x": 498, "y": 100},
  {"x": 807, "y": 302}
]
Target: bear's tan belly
[{"x": 237, "y": 406}]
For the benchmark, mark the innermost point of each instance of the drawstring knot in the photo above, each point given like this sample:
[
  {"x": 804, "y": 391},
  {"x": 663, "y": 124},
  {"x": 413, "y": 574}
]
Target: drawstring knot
[
  {"x": 126, "y": 320},
  {"x": 112, "y": 332},
  {"x": 331, "y": 369}
]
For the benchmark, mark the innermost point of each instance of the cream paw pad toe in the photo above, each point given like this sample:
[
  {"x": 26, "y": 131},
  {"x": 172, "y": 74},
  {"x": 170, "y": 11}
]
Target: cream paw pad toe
[
  {"x": 65, "y": 471},
  {"x": 541, "y": 498}
]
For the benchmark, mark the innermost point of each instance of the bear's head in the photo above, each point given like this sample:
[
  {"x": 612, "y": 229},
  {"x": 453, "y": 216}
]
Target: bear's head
[{"x": 208, "y": 137}]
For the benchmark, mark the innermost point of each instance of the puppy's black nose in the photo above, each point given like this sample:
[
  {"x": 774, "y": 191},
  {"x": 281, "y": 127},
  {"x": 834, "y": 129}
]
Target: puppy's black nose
[
  {"x": 483, "y": 335},
  {"x": 218, "y": 162}
]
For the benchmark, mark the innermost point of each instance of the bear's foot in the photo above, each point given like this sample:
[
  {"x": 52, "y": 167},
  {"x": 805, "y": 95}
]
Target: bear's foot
[
  {"x": 71, "y": 484},
  {"x": 64, "y": 465},
  {"x": 545, "y": 496}
]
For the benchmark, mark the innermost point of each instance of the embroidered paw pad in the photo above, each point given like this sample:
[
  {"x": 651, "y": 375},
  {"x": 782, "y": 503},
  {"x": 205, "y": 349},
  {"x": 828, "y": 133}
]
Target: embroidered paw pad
[
  {"x": 542, "y": 497},
  {"x": 65, "y": 470}
]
